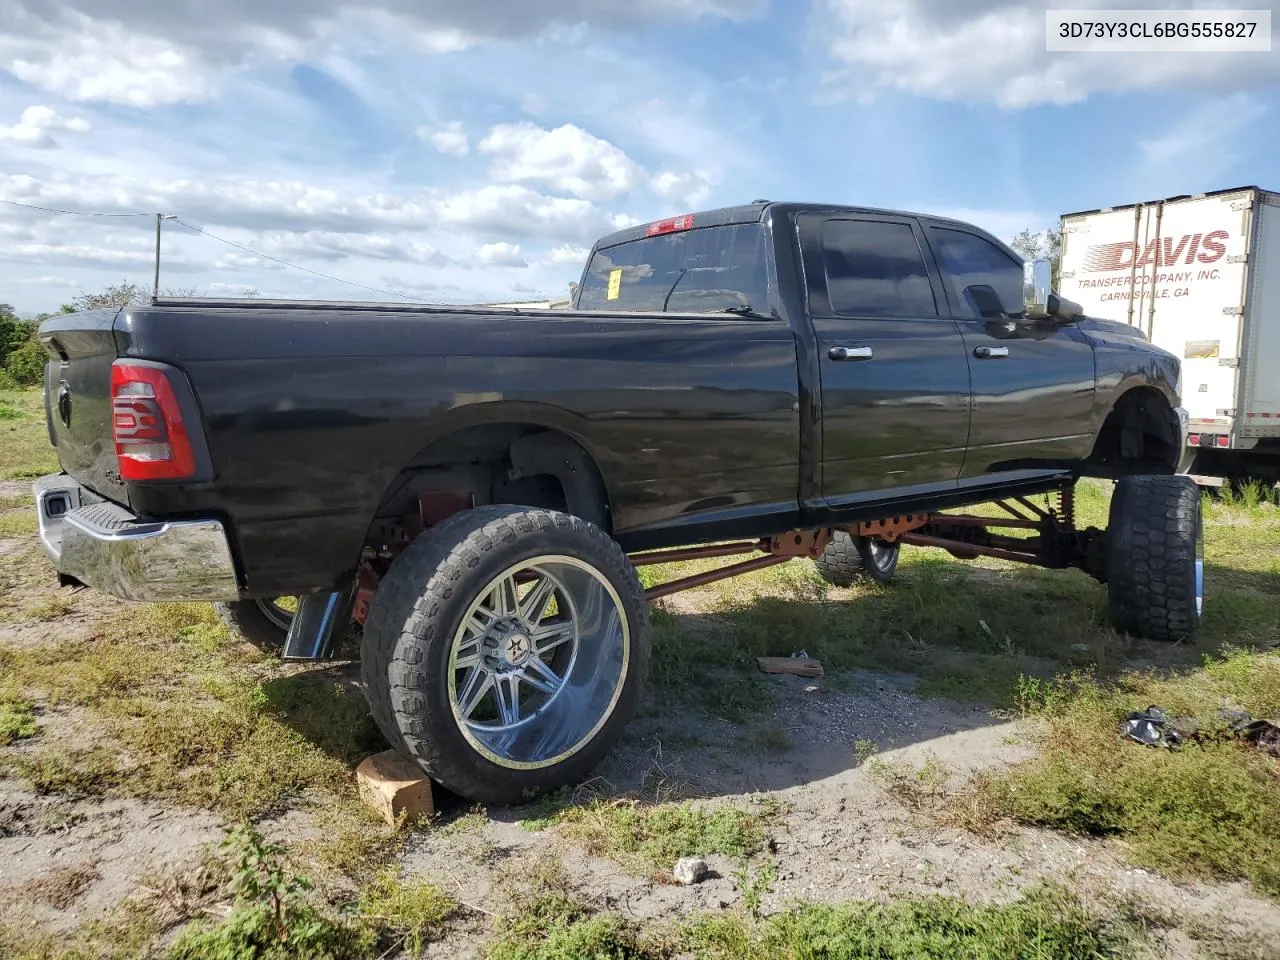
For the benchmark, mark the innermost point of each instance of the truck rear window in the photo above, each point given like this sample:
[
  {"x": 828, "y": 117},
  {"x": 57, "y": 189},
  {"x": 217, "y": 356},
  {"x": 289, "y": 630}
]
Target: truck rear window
[{"x": 704, "y": 270}]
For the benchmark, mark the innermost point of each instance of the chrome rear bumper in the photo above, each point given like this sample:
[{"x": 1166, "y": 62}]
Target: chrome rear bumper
[{"x": 102, "y": 545}]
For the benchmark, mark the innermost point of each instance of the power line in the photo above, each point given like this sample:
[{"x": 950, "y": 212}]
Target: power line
[
  {"x": 73, "y": 213},
  {"x": 265, "y": 256}
]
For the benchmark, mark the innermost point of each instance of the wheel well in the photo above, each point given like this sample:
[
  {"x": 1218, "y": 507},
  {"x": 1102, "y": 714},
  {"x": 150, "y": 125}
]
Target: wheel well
[
  {"x": 1140, "y": 435},
  {"x": 493, "y": 463}
]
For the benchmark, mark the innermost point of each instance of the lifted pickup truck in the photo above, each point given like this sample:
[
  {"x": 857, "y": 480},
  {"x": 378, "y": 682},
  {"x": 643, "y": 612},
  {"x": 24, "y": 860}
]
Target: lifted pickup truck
[{"x": 476, "y": 487}]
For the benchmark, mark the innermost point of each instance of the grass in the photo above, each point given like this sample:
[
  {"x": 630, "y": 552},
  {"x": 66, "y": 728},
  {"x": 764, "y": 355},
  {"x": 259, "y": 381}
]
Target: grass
[
  {"x": 24, "y": 443},
  {"x": 181, "y": 712},
  {"x": 963, "y": 631},
  {"x": 1048, "y": 923},
  {"x": 17, "y": 524},
  {"x": 415, "y": 910},
  {"x": 651, "y": 838},
  {"x": 1211, "y": 809},
  {"x": 17, "y": 715},
  {"x": 193, "y": 723}
]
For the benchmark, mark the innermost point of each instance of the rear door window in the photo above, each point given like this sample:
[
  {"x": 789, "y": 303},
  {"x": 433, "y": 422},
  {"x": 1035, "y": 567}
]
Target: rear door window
[
  {"x": 969, "y": 263},
  {"x": 704, "y": 270},
  {"x": 875, "y": 268}
]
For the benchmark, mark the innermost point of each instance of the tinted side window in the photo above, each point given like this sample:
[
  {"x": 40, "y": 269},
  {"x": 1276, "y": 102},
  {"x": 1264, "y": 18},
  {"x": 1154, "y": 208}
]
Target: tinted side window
[
  {"x": 968, "y": 261},
  {"x": 875, "y": 269},
  {"x": 706, "y": 269}
]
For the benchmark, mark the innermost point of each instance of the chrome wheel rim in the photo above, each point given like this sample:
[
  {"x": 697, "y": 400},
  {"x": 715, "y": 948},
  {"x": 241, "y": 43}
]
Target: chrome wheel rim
[
  {"x": 278, "y": 615},
  {"x": 538, "y": 661},
  {"x": 881, "y": 554}
]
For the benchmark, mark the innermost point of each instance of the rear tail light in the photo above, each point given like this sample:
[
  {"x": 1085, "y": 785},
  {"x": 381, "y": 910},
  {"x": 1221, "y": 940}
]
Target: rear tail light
[
  {"x": 672, "y": 225},
  {"x": 151, "y": 439},
  {"x": 1224, "y": 441},
  {"x": 1193, "y": 440}
]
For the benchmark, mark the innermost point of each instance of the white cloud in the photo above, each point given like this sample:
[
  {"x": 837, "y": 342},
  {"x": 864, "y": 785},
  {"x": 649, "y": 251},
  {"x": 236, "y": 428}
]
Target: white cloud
[
  {"x": 328, "y": 245},
  {"x": 689, "y": 188},
  {"x": 568, "y": 255},
  {"x": 145, "y": 54},
  {"x": 34, "y": 128},
  {"x": 236, "y": 261},
  {"x": 994, "y": 51},
  {"x": 234, "y": 289},
  {"x": 82, "y": 58},
  {"x": 49, "y": 281},
  {"x": 1003, "y": 223},
  {"x": 567, "y": 158},
  {"x": 501, "y": 254},
  {"x": 1209, "y": 140},
  {"x": 510, "y": 210},
  {"x": 450, "y": 138}
]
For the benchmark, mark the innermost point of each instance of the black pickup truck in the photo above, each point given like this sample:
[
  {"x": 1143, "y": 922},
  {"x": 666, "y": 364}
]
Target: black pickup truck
[{"x": 476, "y": 486}]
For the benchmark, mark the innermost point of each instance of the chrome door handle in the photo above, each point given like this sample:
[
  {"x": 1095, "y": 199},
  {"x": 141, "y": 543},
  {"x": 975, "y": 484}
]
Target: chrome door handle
[
  {"x": 990, "y": 353},
  {"x": 850, "y": 353}
]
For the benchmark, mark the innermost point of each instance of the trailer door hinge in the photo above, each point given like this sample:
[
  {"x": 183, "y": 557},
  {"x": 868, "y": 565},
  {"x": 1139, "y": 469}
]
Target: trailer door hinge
[
  {"x": 1238, "y": 258},
  {"x": 1067, "y": 274},
  {"x": 1075, "y": 228},
  {"x": 1232, "y": 362},
  {"x": 1233, "y": 311},
  {"x": 1242, "y": 205},
  {"x": 1223, "y": 412}
]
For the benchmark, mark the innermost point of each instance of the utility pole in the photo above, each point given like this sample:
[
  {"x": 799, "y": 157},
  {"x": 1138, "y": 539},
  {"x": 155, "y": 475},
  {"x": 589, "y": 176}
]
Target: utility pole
[{"x": 160, "y": 218}]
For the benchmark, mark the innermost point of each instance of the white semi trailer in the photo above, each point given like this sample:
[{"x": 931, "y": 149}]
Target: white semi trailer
[{"x": 1200, "y": 276}]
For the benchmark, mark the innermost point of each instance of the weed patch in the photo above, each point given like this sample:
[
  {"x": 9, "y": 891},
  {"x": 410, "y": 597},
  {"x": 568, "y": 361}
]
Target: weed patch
[
  {"x": 648, "y": 839},
  {"x": 270, "y": 919},
  {"x": 1211, "y": 808},
  {"x": 413, "y": 910},
  {"x": 1046, "y": 923}
]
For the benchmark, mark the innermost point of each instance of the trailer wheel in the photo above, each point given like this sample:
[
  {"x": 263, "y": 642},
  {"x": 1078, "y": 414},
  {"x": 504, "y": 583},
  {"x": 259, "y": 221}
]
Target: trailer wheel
[
  {"x": 846, "y": 559},
  {"x": 1155, "y": 577},
  {"x": 264, "y": 623},
  {"x": 505, "y": 650}
]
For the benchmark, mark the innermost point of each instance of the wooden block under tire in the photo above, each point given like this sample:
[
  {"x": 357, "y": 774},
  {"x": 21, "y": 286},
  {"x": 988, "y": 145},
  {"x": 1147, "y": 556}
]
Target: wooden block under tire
[{"x": 394, "y": 786}]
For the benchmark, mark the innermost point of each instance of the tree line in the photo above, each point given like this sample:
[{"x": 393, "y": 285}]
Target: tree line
[{"x": 22, "y": 358}]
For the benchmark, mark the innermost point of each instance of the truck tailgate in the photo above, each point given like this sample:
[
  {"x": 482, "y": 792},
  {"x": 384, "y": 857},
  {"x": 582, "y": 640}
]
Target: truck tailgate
[{"x": 82, "y": 347}]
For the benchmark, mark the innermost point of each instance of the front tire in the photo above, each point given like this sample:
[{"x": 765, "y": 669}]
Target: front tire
[
  {"x": 505, "y": 650},
  {"x": 1155, "y": 575}
]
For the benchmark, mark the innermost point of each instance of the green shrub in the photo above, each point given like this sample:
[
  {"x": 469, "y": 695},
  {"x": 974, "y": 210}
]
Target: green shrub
[{"x": 26, "y": 364}]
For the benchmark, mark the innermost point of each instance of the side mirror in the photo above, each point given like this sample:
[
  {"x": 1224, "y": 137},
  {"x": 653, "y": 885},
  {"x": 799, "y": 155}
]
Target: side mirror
[
  {"x": 1041, "y": 301},
  {"x": 1037, "y": 287}
]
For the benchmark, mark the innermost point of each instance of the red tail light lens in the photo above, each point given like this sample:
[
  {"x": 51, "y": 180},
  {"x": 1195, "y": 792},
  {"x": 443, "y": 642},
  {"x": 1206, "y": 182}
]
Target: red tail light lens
[
  {"x": 1193, "y": 440},
  {"x": 146, "y": 421},
  {"x": 672, "y": 225},
  {"x": 1224, "y": 441}
]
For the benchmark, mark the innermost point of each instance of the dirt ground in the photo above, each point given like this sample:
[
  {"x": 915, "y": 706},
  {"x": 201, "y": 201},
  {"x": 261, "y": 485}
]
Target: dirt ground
[{"x": 814, "y": 760}]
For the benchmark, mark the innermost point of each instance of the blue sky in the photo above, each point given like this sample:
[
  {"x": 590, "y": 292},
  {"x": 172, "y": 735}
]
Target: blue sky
[{"x": 450, "y": 151}]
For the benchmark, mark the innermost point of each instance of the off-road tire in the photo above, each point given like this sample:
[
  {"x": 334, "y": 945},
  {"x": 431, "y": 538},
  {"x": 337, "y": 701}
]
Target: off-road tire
[
  {"x": 247, "y": 619},
  {"x": 840, "y": 563},
  {"x": 846, "y": 559},
  {"x": 419, "y": 607},
  {"x": 1155, "y": 558}
]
